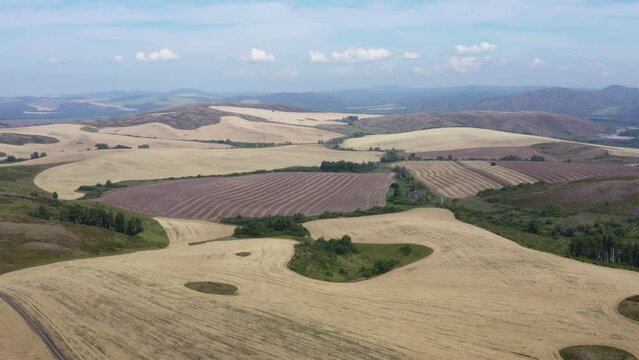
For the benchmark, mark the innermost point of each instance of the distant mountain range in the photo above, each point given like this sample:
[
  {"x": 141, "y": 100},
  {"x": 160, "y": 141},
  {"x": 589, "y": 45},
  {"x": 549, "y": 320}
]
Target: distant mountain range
[{"x": 614, "y": 103}]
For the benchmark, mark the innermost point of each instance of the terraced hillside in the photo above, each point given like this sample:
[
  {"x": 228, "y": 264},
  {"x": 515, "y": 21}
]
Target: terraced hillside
[{"x": 261, "y": 195}]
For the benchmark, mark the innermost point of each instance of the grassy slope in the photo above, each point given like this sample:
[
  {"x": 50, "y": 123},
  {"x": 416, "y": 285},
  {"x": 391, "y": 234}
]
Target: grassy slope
[
  {"x": 508, "y": 212},
  {"x": 630, "y": 308},
  {"x": 27, "y": 241},
  {"x": 312, "y": 262}
]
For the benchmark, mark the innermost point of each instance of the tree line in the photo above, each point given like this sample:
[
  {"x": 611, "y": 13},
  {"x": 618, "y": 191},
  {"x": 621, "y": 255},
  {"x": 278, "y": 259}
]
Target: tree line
[
  {"x": 347, "y": 166},
  {"x": 604, "y": 242},
  {"x": 107, "y": 219}
]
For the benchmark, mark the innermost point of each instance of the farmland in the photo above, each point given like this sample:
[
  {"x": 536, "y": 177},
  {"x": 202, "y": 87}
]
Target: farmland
[
  {"x": 459, "y": 179},
  {"x": 560, "y": 172},
  {"x": 166, "y": 163},
  {"x": 444, "y": 139},
  {"x": 256, "y": 195},
  {"x": 442, "y": 303},
  {"x": 289, "y": 117}
]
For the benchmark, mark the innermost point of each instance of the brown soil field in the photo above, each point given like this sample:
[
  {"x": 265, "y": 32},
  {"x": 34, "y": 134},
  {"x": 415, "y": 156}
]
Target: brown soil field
[
  {"x": 523, "y": 122},
  {"x": 459, "y": 179},
  {"x": 444, "y": 139},
  {"x": 259, "y": 195},
  {"x": 21, "y": 139},
  {"x": 478, "y": 296},
  {"x": 230, "y": 127},
  {"x": 165, "y": 163},
  {"x": 561, "y": 172}
]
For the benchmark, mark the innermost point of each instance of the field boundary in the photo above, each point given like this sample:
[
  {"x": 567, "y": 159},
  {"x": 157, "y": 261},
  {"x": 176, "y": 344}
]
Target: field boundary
[{"x": 35, "y": 326}]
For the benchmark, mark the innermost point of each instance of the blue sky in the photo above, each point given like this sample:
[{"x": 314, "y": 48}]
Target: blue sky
[{"x": 72, "y": 46}]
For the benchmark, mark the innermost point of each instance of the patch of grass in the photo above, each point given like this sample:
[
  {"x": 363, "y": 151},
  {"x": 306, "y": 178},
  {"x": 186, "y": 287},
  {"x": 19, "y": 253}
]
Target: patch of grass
[
  {"x": 630, "y": 308},
  {"x": 209, "y": 287},
  {"x": 33, "y": 235},
  {"x": 317, "y": 260},
  {"x": 594, "y": 352}
]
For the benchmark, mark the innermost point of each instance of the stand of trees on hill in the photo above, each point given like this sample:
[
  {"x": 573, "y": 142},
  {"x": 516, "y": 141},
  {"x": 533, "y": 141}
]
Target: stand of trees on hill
[
  {"x": 106, "y": 219},
  {"x": 604, "y": 242},
  {"x": 347, "y": 166},
  {"x": 268, "y": 226}
]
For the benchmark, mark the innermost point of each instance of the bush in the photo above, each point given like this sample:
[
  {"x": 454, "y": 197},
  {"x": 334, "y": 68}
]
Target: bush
[
  {"x": 537, "y": 158},
  {"x": 101, "y": 146},
  {"x": 143, "y": 146},
  {"x": 54, "y": 195},
  {"x": 510, "y": 158}
]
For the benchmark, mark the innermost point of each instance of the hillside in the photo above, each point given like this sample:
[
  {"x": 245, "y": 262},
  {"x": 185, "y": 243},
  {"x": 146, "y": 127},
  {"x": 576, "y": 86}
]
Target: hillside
[
  {"x": 616, "y": 102},
  {"x": 533, "y": 123}
]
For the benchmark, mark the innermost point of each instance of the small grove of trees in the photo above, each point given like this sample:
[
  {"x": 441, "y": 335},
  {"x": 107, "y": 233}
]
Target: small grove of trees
[
  {"x": 103, "y": 218},
  {"x": 346, "y": 166},
  {"x": 268, "y": 226},
  {"x": 605, "y": 242},
  {"x": 510, "y": 158},
  {"x": 343, "y": 246},
  {"x": 36, "y": 155},
  {"x": 537, "y": 158},
  {"x": 103, "y": 146},
  {"x": 391, "y": 156}
]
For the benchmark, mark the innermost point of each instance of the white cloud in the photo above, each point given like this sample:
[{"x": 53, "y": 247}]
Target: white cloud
[
  {"x": 537, "y": 63},
  {"x": 157, "y": 56},
  {"x": 55, "y": 61},
  {"x": 357, "y": 55},
  {"x": 476, "y": 49},
  {"x": 317, "y": 57},
  {"x": 118, "y": 58},
  {"x": 289, "y": 72},
  {"x": 464, "y": 64},
  {"x": 260, "y": 56},
  {"x": 409, "y": 55}
]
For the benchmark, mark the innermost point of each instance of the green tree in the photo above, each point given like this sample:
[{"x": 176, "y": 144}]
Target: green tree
[{"x": 54, "y": 195}]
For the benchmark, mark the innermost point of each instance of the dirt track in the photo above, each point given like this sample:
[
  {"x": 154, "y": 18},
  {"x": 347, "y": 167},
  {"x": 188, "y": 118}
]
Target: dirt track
[{"x": 478, "y": 296}]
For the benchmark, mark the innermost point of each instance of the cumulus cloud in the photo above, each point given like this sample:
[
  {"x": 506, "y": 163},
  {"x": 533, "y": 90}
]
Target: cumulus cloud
[
  {"x": 464, "y": 64},
  {"x": 317, "y": 57},
  {"x": 357, "y": 55},
  {"x": 118, "y": 58},
  {"x": 483, "y": 47},
  {"x": 157, "y": 56},
  {"x": 537, "y": 63},
  {"x": 261, "y": 56},
  {"x": 409, "y": 55}
]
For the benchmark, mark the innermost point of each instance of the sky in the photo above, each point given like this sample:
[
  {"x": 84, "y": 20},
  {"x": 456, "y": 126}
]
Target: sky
[{"x": 52, "y": 47}]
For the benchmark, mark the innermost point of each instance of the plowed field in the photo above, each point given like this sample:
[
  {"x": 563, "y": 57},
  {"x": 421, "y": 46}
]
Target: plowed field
[{"x": 256, "y": 195}]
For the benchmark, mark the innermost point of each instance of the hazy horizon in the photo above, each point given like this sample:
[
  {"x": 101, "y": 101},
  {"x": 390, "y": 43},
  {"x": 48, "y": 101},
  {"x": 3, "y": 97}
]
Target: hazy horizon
[{"x": 77, "y": 46}]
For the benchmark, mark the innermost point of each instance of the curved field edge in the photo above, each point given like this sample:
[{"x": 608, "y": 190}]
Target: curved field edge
[
  {"x": 629, "y": 308},
  {"x": 595, "y": 352}
]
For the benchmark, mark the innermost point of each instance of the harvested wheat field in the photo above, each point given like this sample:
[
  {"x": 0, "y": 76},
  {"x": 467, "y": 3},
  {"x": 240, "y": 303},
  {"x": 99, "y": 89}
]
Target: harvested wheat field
[
  {"x": 291, "y": 117},
  {"x": 444, "y": 139},
  {"x": 233, "y": 128},
  {"x": 74, "y": 142},
  {"x": 17, "y": 340},
  {"x": 165, "y": 163},
  {"x": 459, "y": 179},
  {"x": 560, "y": 172},
  {"x": 260, "y": 195},
  {"x": 478, "y": 296}
]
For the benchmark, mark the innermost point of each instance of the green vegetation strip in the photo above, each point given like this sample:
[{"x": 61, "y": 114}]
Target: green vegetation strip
[
  {"x": 209, "y": 287},
  {"x": 339, "y": 260},
  {"x": 595, "y": 352},
  {"x": 37, "y": 229},
  {"x": 630, "y": 308}
]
